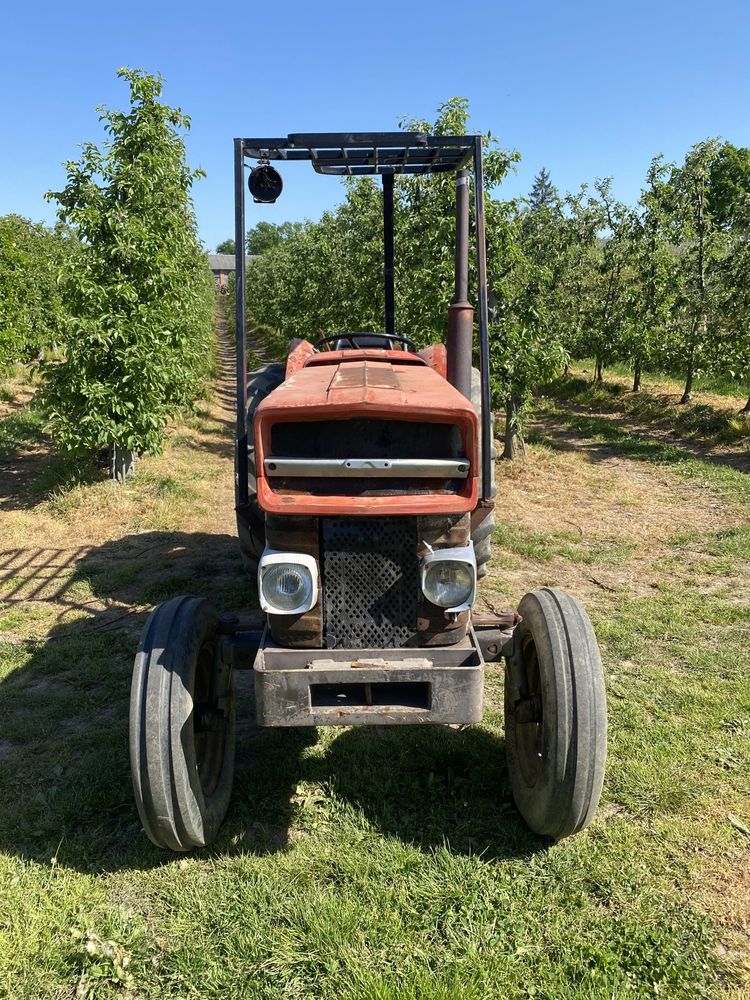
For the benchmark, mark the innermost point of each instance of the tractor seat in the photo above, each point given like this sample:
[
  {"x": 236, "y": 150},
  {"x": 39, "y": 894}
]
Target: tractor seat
[{"x": 358, "y": 341}]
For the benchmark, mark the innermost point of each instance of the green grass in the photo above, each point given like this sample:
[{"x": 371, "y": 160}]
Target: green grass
[
  {"x": 375, "y": 863},
  {"x": 695, "y": 420},
  {"x": 382, "y": 863},
  {"x": 723, "y": 386},
  {"x": 545, "y": 546},
  {"x": 718, "y": 384},
  {"x": 19, "y": 430},
  {"x": 23, "y": 430}
]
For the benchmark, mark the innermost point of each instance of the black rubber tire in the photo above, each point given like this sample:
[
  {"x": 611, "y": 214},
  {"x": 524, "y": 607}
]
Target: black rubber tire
[
  {"x": 481, "y": 536},
  {"x": 182, "y": 772},
  {"x": 252, "y": 534},
  {"x": 557, "y": 762}
]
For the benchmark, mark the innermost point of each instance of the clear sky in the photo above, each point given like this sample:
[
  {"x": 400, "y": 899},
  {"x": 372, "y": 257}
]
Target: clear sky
[{"x": 586, "y": 89}]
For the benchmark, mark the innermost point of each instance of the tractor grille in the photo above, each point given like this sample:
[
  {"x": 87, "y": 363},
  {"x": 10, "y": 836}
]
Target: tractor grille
[{"x": 369, "y": 582}]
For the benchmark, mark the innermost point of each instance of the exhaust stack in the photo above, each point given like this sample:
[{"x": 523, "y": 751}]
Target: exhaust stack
[
  {"x": 461, "y": 312},
  {"x": 390, "y": 307}
]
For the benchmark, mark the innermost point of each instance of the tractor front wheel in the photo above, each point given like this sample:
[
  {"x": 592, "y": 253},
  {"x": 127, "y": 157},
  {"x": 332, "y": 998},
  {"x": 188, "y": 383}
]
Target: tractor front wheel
[
  {"x": 555, "y": 715},
  {"x": 181, "y": 726}
]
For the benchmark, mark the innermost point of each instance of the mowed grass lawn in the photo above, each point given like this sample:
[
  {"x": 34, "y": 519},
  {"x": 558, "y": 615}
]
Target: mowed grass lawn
[{"x": 379, "y": 863}]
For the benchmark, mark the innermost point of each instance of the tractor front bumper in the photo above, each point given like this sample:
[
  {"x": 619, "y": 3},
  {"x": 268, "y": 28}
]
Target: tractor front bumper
[{"x": 349, "y": 687}]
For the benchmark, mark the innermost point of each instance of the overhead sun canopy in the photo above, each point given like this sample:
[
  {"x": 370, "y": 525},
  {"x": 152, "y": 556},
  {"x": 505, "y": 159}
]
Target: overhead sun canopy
[{"x": 358, "y": 153}]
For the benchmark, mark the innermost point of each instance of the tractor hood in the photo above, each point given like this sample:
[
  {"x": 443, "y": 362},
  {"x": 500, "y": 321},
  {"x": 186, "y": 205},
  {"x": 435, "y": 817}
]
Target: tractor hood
[{"x": 371, "y": 434}]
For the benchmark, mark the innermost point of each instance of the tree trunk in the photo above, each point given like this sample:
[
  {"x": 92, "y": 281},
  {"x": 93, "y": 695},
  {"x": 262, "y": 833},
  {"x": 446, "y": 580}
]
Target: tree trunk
[
  {"x": 746, "y": 407},
  {"x": 123, "y": 464},
  {"x": 599, "y": 373},
  {"x": 510, "y": 445},
  {"x": 637, "y": 376},
  {"x": 688, "y": 393},
  {"x": 700, "y": 322}
]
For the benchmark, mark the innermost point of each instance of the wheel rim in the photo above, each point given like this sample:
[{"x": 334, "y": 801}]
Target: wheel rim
[
  {"x": 529, "y": 732},
  {"x": 209, "y": 723}
]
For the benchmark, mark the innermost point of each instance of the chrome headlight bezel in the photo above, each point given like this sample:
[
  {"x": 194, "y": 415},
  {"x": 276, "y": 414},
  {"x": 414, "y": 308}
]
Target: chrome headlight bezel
[
  {"x": 303, "y": 563},
  {"x": 462, "y": 556}
]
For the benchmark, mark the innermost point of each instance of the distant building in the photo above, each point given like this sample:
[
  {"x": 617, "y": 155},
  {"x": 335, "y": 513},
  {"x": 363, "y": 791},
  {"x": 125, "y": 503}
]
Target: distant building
[{"x": 222, "y": 265}]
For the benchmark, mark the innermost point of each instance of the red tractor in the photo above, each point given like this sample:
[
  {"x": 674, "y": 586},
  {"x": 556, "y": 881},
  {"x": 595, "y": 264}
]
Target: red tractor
[{"x": 364, "y": 497}]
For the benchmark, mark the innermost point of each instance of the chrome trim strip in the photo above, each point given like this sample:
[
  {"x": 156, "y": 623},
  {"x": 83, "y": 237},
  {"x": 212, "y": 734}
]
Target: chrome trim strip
[{"x": 380, "y": 468}]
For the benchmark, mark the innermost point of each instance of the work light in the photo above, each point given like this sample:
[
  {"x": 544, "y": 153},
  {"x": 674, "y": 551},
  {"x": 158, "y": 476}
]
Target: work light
[
  {"x": 287, "y": 582},
  {"x": 265, "y": 184},
  {"x": 449, "y": 577}
]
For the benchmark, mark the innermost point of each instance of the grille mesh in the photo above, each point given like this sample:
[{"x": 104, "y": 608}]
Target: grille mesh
[{"x": 369, "y": 582}]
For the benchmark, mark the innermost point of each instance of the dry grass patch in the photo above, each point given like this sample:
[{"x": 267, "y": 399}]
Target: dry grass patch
[
  {"x": 725, "y": 894},
  {"x": 595, "y": 524}
]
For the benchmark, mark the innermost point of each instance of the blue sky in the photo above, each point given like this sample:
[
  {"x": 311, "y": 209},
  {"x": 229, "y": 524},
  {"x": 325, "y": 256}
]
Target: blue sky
[{"x": 586, "y": 89}]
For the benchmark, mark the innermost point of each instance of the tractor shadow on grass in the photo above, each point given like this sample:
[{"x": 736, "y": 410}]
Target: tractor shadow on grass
[
  {"x": 65, "y": 787},
  {"x": 432, "y": 787},
  {"x": 429, "y": 787}
]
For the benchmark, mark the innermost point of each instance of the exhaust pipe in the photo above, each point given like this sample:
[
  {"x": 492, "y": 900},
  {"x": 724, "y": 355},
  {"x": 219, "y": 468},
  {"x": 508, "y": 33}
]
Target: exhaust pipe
[
  {"x": 390, "y": 308},
  {"x": 461, "y": 313}
]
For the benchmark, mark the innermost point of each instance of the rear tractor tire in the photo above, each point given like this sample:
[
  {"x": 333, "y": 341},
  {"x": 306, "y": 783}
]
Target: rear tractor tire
[
  {"x": 555, "y": 715},
  {"x": 251, "y": 528},
  {"x": 182, "y": 725}
]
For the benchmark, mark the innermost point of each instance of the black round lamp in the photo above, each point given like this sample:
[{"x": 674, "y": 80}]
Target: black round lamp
[{"x": 265, "y": 184}]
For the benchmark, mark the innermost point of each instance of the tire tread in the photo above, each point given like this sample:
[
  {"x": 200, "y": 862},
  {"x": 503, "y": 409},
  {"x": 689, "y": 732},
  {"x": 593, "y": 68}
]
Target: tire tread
[
  {"x": 565, "y": 799},
  {"x": 173, "y": 810}
]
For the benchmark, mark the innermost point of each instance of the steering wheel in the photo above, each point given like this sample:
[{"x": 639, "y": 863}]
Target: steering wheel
[{"x": 351, "y": 339}]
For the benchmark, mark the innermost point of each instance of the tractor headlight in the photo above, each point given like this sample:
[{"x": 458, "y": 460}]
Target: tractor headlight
[
  {"x": 449, "y": 578},
  {"x": 287, "y": 582}
]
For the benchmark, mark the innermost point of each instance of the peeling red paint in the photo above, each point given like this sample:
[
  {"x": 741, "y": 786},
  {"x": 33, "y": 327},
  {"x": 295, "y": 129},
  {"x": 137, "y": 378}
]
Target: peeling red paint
[
  {"x": 375, "y": 387},
  {"x": 436, "y": 356},
  {"x": 299, "y": 357}
]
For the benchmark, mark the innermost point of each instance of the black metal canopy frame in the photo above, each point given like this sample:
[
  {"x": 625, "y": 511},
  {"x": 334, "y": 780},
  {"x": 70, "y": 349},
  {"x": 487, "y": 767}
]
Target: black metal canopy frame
[{"x": 354, "y": 154}]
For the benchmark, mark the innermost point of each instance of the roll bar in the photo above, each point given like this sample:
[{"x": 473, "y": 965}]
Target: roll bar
[{"x": 355, "y": 154}]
